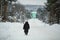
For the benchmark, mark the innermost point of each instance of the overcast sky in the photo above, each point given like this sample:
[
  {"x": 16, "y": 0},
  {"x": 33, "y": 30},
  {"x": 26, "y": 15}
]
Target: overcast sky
[{"x": 32, "y": 2}]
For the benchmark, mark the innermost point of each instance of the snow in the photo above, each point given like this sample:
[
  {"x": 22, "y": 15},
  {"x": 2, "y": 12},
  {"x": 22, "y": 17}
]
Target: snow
[{"x": 38, "y": 31}]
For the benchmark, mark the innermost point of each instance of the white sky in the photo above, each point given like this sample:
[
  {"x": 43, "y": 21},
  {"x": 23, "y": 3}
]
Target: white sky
[{"x": 32, "y": 2}]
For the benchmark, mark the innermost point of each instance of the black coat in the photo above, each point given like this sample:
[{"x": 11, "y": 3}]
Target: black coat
[{"x": 26, "y": 26}]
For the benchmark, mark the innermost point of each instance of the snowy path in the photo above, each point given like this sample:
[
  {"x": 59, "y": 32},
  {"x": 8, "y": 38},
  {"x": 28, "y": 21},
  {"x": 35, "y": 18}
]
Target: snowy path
[{"x": 38, "y": 31}]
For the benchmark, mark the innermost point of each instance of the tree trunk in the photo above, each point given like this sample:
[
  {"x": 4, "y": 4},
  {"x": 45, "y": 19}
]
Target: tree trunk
[{"x": 5, "y": 12}]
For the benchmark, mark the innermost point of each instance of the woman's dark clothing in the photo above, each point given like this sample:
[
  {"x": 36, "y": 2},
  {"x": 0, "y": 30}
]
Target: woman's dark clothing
[{"x": 26, "y": 28}]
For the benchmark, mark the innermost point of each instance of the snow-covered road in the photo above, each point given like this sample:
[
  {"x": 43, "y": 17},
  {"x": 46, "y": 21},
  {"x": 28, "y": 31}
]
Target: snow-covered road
[{"x": 38, "y": 31}]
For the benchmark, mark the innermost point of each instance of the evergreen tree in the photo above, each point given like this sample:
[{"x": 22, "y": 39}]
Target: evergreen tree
[{"x": 52, "y": 6}]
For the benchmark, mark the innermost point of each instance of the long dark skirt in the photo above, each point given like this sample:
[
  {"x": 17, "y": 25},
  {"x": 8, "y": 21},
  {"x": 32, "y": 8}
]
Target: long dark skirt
[{"x": 26, "y": 32}]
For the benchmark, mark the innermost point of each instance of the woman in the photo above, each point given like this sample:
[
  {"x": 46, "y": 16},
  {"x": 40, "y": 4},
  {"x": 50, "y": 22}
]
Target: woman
[{"x": 26, "y": 27}]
